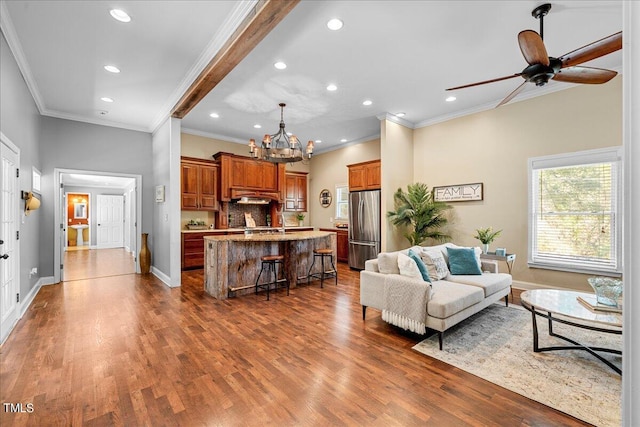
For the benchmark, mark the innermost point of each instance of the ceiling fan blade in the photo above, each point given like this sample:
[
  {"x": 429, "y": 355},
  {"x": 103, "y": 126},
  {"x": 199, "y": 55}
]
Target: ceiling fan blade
[
  {"x": 593, "y": 50},
  {"x": 588, "y": 75},
  {"x": 513, "y": 94},
  {"x": 532, "y": 48},
  {"x": 486, "y": 81}
]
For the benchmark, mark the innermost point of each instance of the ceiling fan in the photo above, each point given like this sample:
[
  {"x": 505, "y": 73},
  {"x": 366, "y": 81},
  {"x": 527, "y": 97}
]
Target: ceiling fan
[{"x": 542, "y": 67}]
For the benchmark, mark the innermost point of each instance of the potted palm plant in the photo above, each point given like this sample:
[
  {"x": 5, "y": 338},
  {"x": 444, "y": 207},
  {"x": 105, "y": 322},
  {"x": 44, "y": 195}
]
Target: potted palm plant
[
  {"x": 486, "y": 236},
  {"x": 420, "y": 215}
]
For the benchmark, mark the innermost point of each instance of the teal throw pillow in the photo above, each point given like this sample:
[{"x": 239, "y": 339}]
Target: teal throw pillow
[
  {"x": 463, "y": 261},
  {"x": 421, "y": 265}
]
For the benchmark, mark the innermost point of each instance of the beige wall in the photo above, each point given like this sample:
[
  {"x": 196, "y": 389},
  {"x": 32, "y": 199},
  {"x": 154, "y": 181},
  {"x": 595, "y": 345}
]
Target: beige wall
[
  {"x": 493, "y": 147},
  {"x": 330, "y": 169},
  {"x": 397, "y": 170}
]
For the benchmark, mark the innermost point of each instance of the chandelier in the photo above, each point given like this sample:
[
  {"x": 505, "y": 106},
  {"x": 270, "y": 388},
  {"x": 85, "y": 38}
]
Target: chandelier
[{"x": 280, "y": 147}]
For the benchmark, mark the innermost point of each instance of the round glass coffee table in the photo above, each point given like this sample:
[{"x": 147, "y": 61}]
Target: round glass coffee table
[{"x": 563, "y": 307}]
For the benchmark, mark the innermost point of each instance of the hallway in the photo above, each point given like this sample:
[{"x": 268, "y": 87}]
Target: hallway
[{"x": 95, "y": 263}]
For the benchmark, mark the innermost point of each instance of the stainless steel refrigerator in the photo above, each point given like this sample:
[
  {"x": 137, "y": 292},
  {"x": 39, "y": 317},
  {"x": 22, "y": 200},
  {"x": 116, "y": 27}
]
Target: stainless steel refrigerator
[{"x": 364, "y": 227}]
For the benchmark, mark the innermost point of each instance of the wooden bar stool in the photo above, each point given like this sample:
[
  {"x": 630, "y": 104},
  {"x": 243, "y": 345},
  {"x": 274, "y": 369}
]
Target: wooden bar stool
[
  {"x": 271, "y": 262},
  {"x": 324, "y": 273}
]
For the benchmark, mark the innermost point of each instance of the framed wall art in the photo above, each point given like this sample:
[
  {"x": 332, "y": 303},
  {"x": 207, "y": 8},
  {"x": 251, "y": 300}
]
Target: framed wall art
[
  {"x": 458, "y": 193},
  {"x": 325, "y": 198}
]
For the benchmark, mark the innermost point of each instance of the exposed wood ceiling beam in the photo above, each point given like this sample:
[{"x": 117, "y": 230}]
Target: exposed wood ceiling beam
[{"x": 264, "y": 18}]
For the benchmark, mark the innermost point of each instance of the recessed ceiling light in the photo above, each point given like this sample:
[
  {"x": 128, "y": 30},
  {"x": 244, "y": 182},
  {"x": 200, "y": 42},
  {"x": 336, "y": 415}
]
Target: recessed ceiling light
[
  {"x": 450, "y": 98},
  {"x": 318, "y": 141},
  {"x": 335, "y": 24},
  {"x": 332, "y": 87},
  {"x": 112, "y": 68},
  {"x": 106, "y": 99},
  {"x": 280, "y": 65},
  {"x": 367, "y": 102},
  {"x": 120, "y": 15},
  {"x": 400, "y": 114},
  {"x": 257, "y": 126},
  {"x": 214, "y": 115},
  {"x": 343, "y": 140}
]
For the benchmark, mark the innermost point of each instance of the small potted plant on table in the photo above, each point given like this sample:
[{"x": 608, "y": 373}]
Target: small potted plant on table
[
  {"x": 300, "y": 218},
  {"x": 486, "y": 236}
]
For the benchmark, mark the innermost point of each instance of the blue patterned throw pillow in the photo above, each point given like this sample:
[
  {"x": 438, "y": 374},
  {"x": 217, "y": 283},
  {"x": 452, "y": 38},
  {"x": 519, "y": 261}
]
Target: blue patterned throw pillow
[
  {"x": 421, "y": 265},
  {"x": 463, "y": 261}
]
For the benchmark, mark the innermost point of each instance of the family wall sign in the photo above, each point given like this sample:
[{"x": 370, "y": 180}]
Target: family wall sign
[{"x": 458, "y": 193}]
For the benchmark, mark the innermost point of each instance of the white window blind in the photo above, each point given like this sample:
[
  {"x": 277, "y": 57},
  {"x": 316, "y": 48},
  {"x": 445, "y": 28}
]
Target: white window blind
[{"x": 574, "y": 202}]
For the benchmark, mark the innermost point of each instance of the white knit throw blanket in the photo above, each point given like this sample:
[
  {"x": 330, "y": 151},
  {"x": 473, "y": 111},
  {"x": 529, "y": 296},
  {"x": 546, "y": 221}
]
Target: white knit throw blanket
[{"x": 405, "y": 303}]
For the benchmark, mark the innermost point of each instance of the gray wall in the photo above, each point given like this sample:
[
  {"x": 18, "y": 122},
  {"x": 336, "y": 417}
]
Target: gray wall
[
  {"x": 68, "y": 144},
  {"x": 160, "y": 253},
  {"x": 20, "y": 122}
]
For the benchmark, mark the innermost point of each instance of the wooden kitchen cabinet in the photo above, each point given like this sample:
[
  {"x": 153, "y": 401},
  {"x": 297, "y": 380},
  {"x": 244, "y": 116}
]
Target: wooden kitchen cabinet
[
  {"x": 192, "y": 250},
  {"x": 245, "y": 176},
  {"x": 364, "y": 176},
  {"x": 198, "y": 180},
  {"x": 342, "y": 243},
  {"x": 295, "y": 193}
]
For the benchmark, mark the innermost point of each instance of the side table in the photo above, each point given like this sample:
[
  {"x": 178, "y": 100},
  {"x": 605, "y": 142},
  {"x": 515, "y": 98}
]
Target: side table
[{"x": 510, "y": 259}]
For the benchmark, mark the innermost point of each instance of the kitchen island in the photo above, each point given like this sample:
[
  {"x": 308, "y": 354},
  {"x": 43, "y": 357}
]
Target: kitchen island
[{"x": 232, "y": 262}]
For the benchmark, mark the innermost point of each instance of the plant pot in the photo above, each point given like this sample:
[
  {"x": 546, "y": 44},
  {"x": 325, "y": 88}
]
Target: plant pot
[
  {"x": 301, "y": 223},
  {"x": 485, "y": 248}
]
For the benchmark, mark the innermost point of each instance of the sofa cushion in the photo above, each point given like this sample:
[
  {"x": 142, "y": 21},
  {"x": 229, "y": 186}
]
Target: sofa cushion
[
  {"x": 449, "y": 298},
  {"x": 436, "y": 263},
  {"x": 489, "y": 282},
  {"x": 421, "y": 265},
  {"x": 388, "y": 263},
  {"x": 477, "y": 249},
  {"x": 408, "y": 267},
  {"x": 463, "y": 261}
]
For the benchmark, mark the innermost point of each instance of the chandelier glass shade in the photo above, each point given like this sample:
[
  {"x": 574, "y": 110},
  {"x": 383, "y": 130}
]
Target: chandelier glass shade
[{"x": 281, "y": 147}]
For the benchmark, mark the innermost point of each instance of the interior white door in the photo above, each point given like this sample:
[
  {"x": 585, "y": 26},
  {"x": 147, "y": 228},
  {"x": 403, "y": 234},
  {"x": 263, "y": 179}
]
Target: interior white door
[
  {"x": 9, "y": 254},
  {"x": 110, "y": 221}
]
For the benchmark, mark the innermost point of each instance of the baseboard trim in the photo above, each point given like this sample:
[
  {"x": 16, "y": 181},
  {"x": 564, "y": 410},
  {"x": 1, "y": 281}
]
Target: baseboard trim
[
  {"x": 163, "y": 277},
  {"x": 527, "y": 286},
  {"x": 28, "y": 299}
]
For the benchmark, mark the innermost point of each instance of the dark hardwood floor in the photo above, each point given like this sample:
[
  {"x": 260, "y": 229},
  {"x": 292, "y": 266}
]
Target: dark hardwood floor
[{"x": 127, "y": 350}]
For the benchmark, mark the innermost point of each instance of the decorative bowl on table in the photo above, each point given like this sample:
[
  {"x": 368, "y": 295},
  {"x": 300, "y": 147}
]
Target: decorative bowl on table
[{"x": 608, "y": 291}]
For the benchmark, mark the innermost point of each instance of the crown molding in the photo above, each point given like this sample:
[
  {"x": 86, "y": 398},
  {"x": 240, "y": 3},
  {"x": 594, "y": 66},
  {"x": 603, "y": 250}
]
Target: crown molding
[
  {"x": 9, "y": 31},
  {"x": 217, "y": 136},
  {"x": 84, "y": 119},
  {"x": 395, "y": 119}
]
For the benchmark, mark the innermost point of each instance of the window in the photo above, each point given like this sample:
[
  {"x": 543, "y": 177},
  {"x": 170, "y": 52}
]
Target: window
[
  {"x": 35, "y": 180},
  {"x": 574, "y": 206},
  {"x": 342, "y": 202}
]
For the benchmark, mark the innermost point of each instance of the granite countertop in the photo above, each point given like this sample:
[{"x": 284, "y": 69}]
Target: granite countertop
[
  {"x": 270, "y": 237},
  {"x": 239, "y": 230}
]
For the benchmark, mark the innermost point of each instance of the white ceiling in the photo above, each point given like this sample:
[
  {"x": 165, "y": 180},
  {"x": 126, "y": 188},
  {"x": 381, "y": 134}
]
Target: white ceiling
[{"x": 399, "y": 54}]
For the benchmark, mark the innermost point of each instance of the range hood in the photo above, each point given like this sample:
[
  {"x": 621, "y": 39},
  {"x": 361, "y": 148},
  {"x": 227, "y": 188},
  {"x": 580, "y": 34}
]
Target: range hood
[{"x": 253, "y": 201}]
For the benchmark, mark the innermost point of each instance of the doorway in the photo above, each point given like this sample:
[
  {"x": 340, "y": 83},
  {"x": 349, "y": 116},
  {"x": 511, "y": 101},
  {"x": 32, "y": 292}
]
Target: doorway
[
  {"x": 9, "y": 243},
  {"x": 113, "y": 200}
]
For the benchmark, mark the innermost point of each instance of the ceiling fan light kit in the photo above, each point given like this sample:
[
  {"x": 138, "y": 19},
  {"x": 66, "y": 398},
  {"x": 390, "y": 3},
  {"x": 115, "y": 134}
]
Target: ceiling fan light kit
[{"x": 543, "y": 67}]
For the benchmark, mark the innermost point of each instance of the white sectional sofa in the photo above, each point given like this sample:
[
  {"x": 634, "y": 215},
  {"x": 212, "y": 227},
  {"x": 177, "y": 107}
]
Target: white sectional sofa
[{"x": 414, "y": 304}]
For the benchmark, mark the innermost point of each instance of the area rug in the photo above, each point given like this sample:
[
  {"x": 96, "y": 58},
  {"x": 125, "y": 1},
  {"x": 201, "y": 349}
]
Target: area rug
[{"x": 497, "y": 345}]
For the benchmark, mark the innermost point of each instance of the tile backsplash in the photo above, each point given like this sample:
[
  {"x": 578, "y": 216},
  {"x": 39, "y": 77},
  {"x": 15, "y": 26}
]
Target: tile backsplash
[{"x": 237, "y": 211}]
